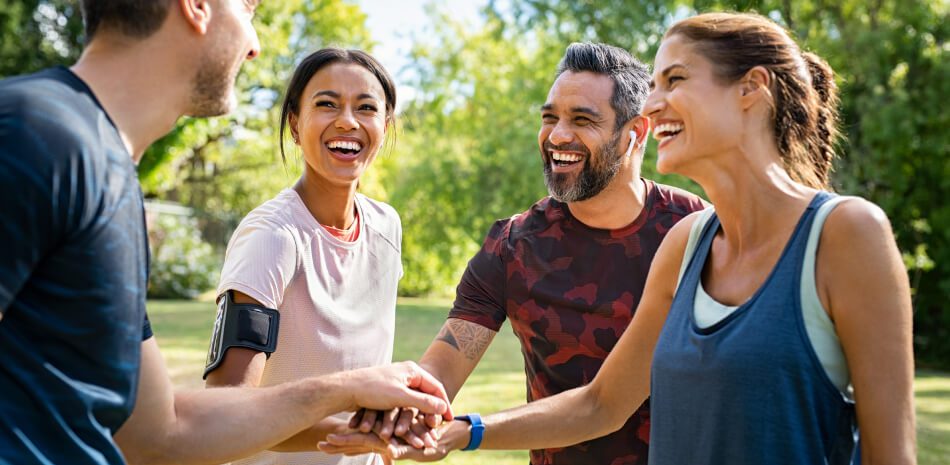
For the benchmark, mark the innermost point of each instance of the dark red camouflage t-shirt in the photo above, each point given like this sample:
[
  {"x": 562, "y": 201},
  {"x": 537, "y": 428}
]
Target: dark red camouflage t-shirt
[{"x": 570, "y": 291}]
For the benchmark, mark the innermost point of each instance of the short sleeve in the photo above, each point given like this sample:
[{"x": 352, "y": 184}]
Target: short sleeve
[
  {"x": 146, "y": 328},
  {"x": 260, "y": 261},
  {"x": 28, "y": 210},
  {"x": 480, "y": 295}
]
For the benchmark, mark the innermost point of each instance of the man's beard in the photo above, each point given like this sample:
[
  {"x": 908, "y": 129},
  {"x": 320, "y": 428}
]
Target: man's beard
[
  {"x": 212, "y": 89},
  {"x": 597, "y": 173}
]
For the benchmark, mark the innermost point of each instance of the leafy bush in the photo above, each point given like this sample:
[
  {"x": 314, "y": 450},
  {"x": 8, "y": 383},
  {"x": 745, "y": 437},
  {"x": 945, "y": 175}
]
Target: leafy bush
[{"x": 183, "y": 265}]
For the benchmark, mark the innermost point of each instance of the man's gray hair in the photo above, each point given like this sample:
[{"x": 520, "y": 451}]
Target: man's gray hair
[{"x": 631, "y": 77}]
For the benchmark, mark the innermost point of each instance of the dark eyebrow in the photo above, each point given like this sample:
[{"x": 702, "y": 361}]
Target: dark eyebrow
[
  {"x": 365, "y": 96},
  {"x": 587, "y": 110},
  {"x": 328, "y": 93},
  {"x": 547, "y": 107},
  {"x": 666, "y": 72},
  {"x": 670, "y": 69}
]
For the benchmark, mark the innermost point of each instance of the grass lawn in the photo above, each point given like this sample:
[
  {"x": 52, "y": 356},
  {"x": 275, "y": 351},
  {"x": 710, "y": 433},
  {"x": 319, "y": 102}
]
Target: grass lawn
[{"x": 183, "y": 328}]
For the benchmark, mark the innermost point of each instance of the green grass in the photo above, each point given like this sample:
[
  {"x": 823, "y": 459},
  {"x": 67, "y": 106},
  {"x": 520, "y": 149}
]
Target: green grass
[{"x": 183, "y": 328}]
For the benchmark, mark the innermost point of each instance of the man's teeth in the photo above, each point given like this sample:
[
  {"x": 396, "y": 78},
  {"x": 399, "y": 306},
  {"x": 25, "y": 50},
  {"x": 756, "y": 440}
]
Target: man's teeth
[
  {"x": 565, "y": 156},
  {"x": 667, "y": 130},
  {"x": 346, "y": 145}
]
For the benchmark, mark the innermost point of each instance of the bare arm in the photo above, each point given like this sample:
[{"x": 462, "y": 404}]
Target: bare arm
[
  {"x": 211, "y": 426},
  {"x": 455, "y": 353},
  {"x": 451, "y": 358},
  {"x": 245, "y": 367},
  {"x": 583, "y": 413},
  {"x": 863, "y": 284},
  {"x": 621, "y": 385}
]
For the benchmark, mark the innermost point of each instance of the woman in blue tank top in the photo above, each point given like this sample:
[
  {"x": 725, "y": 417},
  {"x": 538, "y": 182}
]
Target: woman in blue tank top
[{"x": 745, "y": 311}]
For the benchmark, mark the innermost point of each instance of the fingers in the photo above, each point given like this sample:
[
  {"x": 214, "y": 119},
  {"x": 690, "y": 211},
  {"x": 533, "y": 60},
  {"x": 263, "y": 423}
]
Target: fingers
[
  {"x": 368, "y": 421},
  {"x": 405, "y": 420},
  {"x": 353, "y": 444},
  {"x": 388, "y": 423},
  {"x": 422, "y": 381},
  {"x": 428, "y": 454},
  {"x": 422, "y": 433},
  {"x": 356, "y": 418},
  {"x": 433, "y": 420}
]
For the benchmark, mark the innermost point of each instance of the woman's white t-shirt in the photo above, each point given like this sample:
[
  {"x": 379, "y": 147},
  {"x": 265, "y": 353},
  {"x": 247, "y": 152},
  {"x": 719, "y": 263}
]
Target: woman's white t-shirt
[{"x": 337, "y": 300}]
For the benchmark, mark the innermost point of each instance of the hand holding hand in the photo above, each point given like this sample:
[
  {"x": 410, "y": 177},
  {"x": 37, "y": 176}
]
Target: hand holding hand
[
  {"x": 396, "y": 385},
  {"x": 451, "y": 436},
  {"x": 414, "y": 428}
]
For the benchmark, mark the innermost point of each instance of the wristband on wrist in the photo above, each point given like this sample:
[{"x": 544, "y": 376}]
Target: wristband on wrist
[{"x": 477, "y": 430}]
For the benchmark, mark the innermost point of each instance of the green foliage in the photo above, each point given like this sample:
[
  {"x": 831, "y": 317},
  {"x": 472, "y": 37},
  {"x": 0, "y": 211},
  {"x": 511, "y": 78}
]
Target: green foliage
[
  {"x": 468, "y": 154},
  {"x": 891, "y": 60},
  {"x": 36, "y": 34},
  {"x": 182, "y": 264}
]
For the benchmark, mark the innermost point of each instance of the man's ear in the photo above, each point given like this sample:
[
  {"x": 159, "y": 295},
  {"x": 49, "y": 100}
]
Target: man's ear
[
  {"x": 197, "y": 14},
  {"x": 755, "y": 85},
  {"x": 639, "y": 126}
]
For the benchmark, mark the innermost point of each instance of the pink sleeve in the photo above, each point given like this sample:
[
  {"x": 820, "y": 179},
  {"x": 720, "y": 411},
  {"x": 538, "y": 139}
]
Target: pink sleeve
[{"x": 260, "y": 262}]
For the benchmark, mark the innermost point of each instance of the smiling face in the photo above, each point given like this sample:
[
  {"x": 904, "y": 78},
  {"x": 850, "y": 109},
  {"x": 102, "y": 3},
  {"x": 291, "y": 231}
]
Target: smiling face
[
  {"x": 578, "y": 140},
  {"x": 694, "y": 114},
  {"x": 342, "y": 122}
]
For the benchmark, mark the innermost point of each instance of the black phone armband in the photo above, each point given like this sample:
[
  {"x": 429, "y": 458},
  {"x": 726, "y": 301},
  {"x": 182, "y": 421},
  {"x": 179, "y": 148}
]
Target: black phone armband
[{"x": 241, "y": 325}]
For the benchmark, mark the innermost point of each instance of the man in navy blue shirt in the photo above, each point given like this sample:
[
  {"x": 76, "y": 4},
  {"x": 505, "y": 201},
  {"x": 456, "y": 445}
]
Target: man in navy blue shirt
[{"x": 77, "y": 351}]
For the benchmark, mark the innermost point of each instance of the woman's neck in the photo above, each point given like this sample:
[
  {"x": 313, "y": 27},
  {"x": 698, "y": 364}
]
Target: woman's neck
[
  {"x": 331, "y": 205},
  {"x": 754, "y": 197}
]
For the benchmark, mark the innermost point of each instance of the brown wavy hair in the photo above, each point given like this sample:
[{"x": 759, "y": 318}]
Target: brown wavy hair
[{"x": 803, "y": 90}]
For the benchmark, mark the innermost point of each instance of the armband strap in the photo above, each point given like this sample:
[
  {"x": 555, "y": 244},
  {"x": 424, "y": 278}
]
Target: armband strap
[
  {"x": 477, "y": 430},
  {"x": 241, "y": 325}
]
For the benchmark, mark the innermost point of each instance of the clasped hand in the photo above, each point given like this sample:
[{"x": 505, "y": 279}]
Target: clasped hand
[{"x": 401, "y": 433}]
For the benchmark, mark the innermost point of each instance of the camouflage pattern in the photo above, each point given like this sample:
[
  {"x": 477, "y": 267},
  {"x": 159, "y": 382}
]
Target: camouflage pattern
[{"x": 570, "y": 291}]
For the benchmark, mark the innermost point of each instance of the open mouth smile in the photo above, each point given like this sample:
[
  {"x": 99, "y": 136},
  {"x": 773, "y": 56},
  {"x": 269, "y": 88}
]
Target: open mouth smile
[
  {"x": 562, "y": 162},
  {"x": 345, "y": 150},
  {"x": 667, "y": 132}
]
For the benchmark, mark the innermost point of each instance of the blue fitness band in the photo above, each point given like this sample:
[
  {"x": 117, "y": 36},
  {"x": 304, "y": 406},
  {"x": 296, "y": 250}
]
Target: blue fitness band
[{"x": 477, "y": 429}]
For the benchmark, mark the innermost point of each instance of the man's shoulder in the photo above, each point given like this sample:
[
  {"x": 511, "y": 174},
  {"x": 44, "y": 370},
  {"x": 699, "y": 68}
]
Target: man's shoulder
[
  {"x": 49, "y": 112},
  {"x": 673, "y": 200},
  {"x": 544, "y": 213},
  {"x": 35, "y": 95}
]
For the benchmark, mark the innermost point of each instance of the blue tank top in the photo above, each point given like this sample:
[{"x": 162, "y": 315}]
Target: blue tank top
[{"x": 748, "y": 389}]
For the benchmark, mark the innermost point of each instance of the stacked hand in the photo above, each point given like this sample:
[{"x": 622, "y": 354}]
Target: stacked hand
[
  {"x": 399, "y": 434},
  {"x": 403, "y": 383}
]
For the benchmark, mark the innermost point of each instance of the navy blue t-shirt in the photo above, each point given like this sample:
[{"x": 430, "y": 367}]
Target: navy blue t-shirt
[{"x": 73, "y": 273}]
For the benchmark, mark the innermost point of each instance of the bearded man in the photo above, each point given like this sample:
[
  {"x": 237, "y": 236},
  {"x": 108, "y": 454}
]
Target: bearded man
[{"x": 568, "y": 272}]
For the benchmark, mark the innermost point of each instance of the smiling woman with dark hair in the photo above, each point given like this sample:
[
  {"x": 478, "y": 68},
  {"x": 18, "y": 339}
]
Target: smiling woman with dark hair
[{"x": 309, "y": 281}]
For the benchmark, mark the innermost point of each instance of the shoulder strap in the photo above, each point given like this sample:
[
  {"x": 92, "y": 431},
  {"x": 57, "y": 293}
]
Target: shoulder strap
[
  {"x": 809, "y": 288},
  {"x": 695, "y": 231}
]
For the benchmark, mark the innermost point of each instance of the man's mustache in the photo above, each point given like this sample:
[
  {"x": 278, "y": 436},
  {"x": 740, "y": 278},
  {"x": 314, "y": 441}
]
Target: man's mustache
[{"x": 571, "y": 147}]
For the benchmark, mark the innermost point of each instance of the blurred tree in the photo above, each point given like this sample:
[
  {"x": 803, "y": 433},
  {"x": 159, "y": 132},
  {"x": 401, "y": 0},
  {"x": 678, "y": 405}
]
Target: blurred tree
[{"x": 35, "y": 34}]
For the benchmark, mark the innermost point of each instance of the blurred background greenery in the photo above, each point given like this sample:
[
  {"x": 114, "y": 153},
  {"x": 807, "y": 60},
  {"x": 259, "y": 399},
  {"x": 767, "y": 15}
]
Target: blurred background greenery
[{"x": 465, "y": 153}]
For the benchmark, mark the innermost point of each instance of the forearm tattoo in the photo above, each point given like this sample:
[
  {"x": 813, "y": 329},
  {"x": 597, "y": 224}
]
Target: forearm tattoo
[{"x": 470, "y": 339}]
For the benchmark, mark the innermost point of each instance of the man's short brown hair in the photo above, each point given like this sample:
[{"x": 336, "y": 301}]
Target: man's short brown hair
[{"x": 134, "y": 18}]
